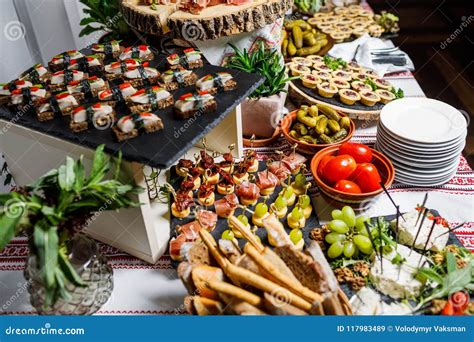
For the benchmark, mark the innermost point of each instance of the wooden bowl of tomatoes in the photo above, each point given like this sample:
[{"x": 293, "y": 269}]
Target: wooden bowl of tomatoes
[
  {"x": 306, "y": 147},
  {"x": 351, "y": 174}
]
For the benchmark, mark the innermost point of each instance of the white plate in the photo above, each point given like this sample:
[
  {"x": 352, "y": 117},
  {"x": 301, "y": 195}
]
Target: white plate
[
  {"x": 413, "y": 182},
  {"x": 423, "y": 174},
  {"x": 437, "y": 146},
  {"x": 420, "y": 157},
  {"x": 423, "y": 120}
]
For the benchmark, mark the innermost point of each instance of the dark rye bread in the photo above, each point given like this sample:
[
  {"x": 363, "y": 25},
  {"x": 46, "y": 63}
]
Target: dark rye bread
[
  {"x": 187, "y": 81},
  {"x": 211, "y": 106},
  {"x": 228, "y": 86},
  {"x": 147, "y": 107},
  {"x": 305, "y": 269}
]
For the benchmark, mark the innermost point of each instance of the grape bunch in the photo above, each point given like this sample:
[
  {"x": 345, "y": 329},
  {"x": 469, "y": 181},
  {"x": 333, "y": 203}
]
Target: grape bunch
[{"x": 348, "y": 236}]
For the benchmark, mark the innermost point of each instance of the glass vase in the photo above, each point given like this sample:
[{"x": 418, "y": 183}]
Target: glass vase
[{"x": 91, "y": 266}]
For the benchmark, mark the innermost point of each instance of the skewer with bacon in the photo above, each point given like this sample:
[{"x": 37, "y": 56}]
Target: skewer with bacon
[{"x": 226, "y": 183}]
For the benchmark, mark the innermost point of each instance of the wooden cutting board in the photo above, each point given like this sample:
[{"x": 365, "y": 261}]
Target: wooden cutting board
[{"x": 212, "y": 23}]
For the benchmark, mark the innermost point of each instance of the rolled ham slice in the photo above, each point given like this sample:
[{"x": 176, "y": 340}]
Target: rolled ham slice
[
  {"x": 266, "y": 180},
  {"x": 226, "y": 205},
  {"x": 247, "y": 190},
  {"x": 207, "y": 219}
]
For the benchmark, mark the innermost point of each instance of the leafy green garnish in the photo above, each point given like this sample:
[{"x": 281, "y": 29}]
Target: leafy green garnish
[
  {"x": 263, "y": 61},
  {"x": 45, "y": 208},
  {"x": 334, "y": 63},
  {"x": 371, "y": 83},
  {"x": 397, "y": 92}
]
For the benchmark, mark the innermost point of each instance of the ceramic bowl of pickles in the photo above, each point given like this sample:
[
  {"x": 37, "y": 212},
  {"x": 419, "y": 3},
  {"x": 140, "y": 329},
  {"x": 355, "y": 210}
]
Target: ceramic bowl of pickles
[{"x": 315, "y": 127}]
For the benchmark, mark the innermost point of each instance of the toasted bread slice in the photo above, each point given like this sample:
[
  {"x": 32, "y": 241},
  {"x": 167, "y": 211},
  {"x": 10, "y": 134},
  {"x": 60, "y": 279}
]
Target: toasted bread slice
[
  {"x": 206, "y": 306},
  {"x": 201, "y": 275},
  {"x": 306, "y": 270}
]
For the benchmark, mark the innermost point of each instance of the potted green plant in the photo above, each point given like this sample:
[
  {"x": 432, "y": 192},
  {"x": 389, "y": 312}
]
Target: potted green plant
[
  {"x": 262, "y": 111},
  {"x": 65, "y": 271},
  {"x": 105, "y": 15}
]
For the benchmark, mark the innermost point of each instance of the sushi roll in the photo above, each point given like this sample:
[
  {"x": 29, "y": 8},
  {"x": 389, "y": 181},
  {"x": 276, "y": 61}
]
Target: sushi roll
[
  {"x": 142, "y": 52},
  {"x": 101, "y": 116},
  {"x": 37, "y": 74},
  {"x": 107, "y": 50},
  {"x": 191, "y": 104},
  {"x": 7, "y": 88},
  {"x": 190, "y": 59},
  {"x": 60, "y": 104},
  {"x": 131, "y": 126},
  {"x": 218, "y": 82},
  {"x": 28, "y": 96},
  {"x": 178, "y": 78},
  {"x": 116, "y": 70},
  {"x": 87, "y": 88},
  {"x": 117, "y": 94},
  {"x": 149, "y": 99},
  {"x": 141, "y": 75},
  {"x": 61, "y": 79},
  {"x": 63, "y": 60}
]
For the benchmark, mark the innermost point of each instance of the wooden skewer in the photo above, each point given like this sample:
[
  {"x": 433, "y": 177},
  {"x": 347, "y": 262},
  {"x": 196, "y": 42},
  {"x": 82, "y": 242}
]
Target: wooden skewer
[
  {"x": 246, "y": 233},
  {"x": 279, "y": 277},
  {"x": 235, "y": 291},
  {"x": 427, "y": 241},
  {"x": 259, "y": 282},
  {"x": 422, "y": 206},
  {"x": 451, "y": 230},
  {"x": 425, "y": 212},
  {"x": 391, "y": 199}
]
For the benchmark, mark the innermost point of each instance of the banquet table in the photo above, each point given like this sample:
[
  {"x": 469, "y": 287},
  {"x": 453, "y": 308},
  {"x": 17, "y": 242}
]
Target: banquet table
[{"x": 142, "y": 288}]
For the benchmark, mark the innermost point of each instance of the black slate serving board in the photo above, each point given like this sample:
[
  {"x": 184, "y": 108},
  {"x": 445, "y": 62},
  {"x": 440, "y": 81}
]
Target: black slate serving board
[
  {"x": 311, "y": 222},
  {"x": 335, "y": 100},
  {"x": 452, "y": 240},
  {"x": 160, "y": 149}
]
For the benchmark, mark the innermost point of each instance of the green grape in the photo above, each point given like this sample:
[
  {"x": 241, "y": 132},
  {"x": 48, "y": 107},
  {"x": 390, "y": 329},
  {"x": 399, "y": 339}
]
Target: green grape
[
  {"x": 335, "y": 250},
  {"x": 339, "y": 226},
  {"x": 228, "y": 234},
  {"x": 261, "y": 209},
  {"x": 360, "y": 222},
  {"x": 361, "y": 241},
  {"x": 366, "y": 250},
  {"x": 288, "y": 192},
  {"x": 336, "y": 214},
  {"x": 243, "y": 219},
  {"x": 349, "y": 249},
  {"x": 297, "y": 213},
  {"x": 304, "y": 201},
  {"x": 333, "y": 237},
  {"x": 387, "y": 249},
  {"x": 281, "y": 202},
  {"x": 349, "y": 216},
  {"x": 363, "y": 231},
  {"x": 296, "y": 235},
  {"x": 300, "y": 180}
]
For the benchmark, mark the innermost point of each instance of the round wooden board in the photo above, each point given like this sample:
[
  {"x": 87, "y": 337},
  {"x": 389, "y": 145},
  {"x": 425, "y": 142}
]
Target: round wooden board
[
  {"x": 298, "y": 95},
  {"x": 213, "y": 22}
]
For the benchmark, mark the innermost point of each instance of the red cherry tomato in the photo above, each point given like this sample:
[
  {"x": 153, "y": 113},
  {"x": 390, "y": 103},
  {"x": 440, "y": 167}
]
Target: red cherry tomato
[
  {"x": 320, "y": 169},
  {"x": 460, "y": 301},
  {"x": 339, "y": 167},
  {"x": 367, "y": 177},
  {"x": 360, "y": 152},
  {"x": 347, "y": 186}
]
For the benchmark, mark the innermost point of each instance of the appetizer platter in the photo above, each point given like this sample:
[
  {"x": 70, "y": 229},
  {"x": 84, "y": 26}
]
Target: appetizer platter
[
  {"x": 131, "y": 99},
  {"x": 300, "y": 38},
  {"x": 206, "y": 192},
  {"x": 345, "y": 86},
  {"x": 351, "y": 22},
  {"x": 202, "y": 20},
  {"x": 396, "y": 264}
]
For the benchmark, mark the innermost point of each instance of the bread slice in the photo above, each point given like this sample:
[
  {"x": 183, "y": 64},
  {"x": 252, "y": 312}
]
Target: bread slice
[
  {"x": 228, "y": 86},
  {"x": 201, "y": 275},
  {"x": 211, "y": 106},
  {"x": 332, "y": 305},
  {"x": 235, "y": 306},
  {"x": 275, "y": 306},
  {"x": 205, "y": 306},
  {"x": 306, "y": 270},
  {"x": 315, "y": 251},
  {"x": 185, "y": 274},
  {"x": 198, "y": 253}
]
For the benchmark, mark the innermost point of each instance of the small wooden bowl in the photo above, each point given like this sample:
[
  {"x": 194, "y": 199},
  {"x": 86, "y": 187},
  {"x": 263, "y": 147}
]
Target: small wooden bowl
[
  {"x": 304, "y": 147},
  {"x": 358, "y": 202}
]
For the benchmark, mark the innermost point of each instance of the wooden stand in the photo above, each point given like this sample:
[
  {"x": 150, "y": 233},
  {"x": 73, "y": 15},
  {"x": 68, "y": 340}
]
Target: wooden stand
[{"x": 143, "y": 232}]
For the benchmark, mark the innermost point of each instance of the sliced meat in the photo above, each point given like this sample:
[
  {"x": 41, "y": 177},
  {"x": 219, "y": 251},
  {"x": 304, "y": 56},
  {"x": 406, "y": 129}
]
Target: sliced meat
[
  {"x": 226, "y": 205},
  {"x": 266, "y": 180},
  {"x": 247, "y": 190},
  {"x": 207, "y": 219}
]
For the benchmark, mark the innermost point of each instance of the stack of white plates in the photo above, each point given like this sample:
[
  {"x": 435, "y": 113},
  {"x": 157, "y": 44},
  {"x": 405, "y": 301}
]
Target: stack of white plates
[{"x": 423, "y": 138}]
